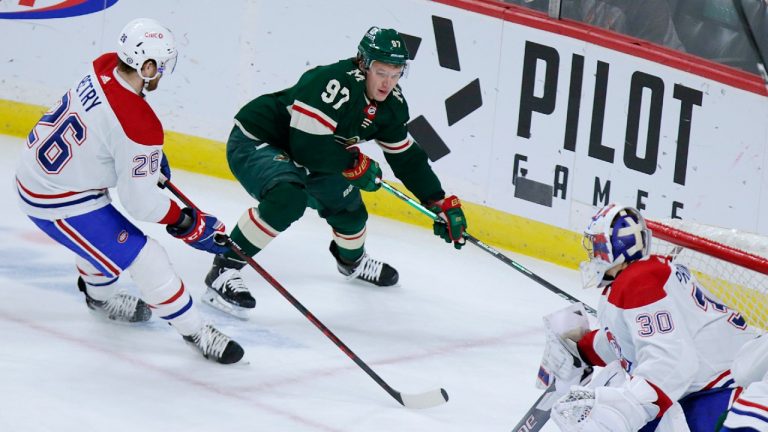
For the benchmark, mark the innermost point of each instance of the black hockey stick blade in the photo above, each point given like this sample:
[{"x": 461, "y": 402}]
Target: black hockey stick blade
[{"x": 538, "y": 415}]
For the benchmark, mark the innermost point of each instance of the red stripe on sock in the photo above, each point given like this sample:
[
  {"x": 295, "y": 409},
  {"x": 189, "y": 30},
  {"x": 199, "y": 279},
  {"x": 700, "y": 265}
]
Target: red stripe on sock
[{"x": 175, "y": 296}]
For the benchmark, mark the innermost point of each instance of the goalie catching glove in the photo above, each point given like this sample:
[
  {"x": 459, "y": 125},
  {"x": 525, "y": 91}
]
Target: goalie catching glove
[
  {"x": 452, "y": 225},
  {"x": 365, "y": 173},
  {"x": 608, "y": 408},
  {"x": 198, "y": 230}
]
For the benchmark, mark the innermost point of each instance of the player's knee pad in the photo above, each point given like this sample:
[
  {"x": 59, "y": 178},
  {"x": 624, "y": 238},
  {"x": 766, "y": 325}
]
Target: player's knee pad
[
  {"x": 348, "y": 221},
  {"x": 283, "y": 204}
]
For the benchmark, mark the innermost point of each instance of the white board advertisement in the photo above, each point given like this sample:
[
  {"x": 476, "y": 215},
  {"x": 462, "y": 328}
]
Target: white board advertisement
[{"x": 537, "y": 123}]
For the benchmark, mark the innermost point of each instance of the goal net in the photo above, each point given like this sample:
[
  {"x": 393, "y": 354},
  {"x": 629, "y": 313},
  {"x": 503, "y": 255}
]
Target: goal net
[{"x": 732, "y": 265}]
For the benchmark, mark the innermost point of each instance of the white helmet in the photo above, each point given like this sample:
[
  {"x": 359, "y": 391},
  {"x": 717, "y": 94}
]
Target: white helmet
[
  {"x": 615, "y": 235},
  {"x": 146, "y": 39}
]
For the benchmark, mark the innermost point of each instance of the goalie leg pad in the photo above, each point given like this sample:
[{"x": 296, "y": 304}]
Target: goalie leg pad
[
  {"x": 750, "y": 410},
  {"x": 162, "y": 289},
  {"x": 751, "y": 364}
]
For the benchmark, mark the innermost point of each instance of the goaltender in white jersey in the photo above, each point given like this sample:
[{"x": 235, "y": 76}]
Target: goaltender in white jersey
[
  {"x": 102, "y": 134},
  {"x": 673, "y": 337}
]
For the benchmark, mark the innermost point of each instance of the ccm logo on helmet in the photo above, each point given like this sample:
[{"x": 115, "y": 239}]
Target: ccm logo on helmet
[{"x": 153, "y": 35}]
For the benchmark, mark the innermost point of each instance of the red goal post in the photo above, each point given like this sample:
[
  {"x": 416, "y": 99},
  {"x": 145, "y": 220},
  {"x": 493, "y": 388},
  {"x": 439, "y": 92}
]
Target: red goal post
[{"x": 732, "y": 265}]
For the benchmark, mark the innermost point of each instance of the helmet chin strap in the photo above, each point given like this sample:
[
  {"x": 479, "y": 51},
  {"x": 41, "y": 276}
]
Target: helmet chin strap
[{"x": 148, "y": 79}]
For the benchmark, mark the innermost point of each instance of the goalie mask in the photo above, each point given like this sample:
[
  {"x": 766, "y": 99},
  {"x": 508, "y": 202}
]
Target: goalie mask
[
  {"x": 382, "y": 45},
  {"x": 615, "y": 235},
  {"x": 145, "y": 39}
]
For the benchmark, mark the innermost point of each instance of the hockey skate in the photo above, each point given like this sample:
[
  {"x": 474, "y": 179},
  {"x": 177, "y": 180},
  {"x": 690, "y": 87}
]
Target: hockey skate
[
  {"x": 120, "y": 307},
  {"x": 365, "y": 269},
  {"x": 226, "y": 289},
  {"x": 215, "y": 345}
]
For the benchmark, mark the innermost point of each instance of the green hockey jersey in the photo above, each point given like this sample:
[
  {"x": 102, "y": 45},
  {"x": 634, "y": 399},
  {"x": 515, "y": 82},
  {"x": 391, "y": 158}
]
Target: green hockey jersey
[{"x": 326, "y": 111}]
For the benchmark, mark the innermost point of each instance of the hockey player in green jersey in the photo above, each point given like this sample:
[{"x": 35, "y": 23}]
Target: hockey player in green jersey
[{"x": 296, "y": 148}]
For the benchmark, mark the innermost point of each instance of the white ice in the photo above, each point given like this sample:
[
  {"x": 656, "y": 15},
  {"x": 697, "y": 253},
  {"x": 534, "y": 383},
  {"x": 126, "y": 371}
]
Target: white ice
[{"x": 460, "y": 320}]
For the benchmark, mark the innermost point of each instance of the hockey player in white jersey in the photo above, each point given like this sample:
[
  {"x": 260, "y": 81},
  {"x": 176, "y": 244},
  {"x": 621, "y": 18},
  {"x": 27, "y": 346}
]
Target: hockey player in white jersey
[
  {"x": 672, "y": 336},
  {"x": 749, "y": 412},
  {"x": 102, "y": 134}
]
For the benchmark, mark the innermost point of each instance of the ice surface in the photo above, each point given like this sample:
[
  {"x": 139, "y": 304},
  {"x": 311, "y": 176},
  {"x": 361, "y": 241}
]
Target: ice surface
[{"x": 460, "y": 320}]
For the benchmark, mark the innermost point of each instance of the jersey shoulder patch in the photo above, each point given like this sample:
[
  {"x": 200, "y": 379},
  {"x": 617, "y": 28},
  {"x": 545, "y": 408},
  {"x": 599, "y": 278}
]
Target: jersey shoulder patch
[
  {"x": 136, "y": 117},
  {"x": 640, "y": 284},
  {"x": 344, "y": 72}
]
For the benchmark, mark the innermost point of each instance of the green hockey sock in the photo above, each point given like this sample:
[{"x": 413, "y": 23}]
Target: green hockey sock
[
  {"x": 351, "y": 255},
  {"x": 247, "y": 247}
]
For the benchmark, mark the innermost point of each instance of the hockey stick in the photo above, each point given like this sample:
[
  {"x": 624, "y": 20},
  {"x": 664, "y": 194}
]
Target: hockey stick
[
  {"x": 418, "y": 401},
  {"x": 752, "y": 30},
  {"x": 514, "y": 264},
  {"x": 538, "y": 415}
]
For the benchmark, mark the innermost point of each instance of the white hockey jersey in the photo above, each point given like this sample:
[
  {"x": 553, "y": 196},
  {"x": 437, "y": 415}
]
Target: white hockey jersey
[
  {"x": 750, "y": 370},
  {"x": 100, "y": 135},
  {"x": 666, "y": 328}
]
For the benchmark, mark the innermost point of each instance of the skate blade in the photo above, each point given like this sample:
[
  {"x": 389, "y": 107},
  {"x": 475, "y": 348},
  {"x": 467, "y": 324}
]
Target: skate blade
[
  {"x": 213, "y": 299},
  {"x": 101, "y": 316}
]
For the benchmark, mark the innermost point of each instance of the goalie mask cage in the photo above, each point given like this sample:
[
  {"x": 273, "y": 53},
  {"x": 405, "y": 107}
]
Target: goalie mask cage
[{"x": 730, "y": 264}]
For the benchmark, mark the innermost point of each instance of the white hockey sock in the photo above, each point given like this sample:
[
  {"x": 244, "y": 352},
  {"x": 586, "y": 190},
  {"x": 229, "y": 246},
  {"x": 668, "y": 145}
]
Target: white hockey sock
[
  {"x": 162, "y": 289},
  {"x": 178, "y": 308},
  {"x": 257, "y": 231},
  {"x": 350, "y": 241},
  {"x": 97, "y": 285}
]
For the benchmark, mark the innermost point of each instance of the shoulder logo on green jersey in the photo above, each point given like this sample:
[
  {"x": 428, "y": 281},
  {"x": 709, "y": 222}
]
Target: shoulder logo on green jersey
[
  {"x": 357, "y": 73},
  {"x": 396, "y": 93}
]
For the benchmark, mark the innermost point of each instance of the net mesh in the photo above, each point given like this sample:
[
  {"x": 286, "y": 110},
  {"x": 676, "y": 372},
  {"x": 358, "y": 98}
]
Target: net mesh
[{"x": 732, "y": 265}]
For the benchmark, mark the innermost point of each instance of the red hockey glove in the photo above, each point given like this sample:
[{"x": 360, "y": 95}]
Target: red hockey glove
[
  {"x": 200, "y": 232},
  {"x": 453, "y": 224},
  {"x": 365, "y": 173}
]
